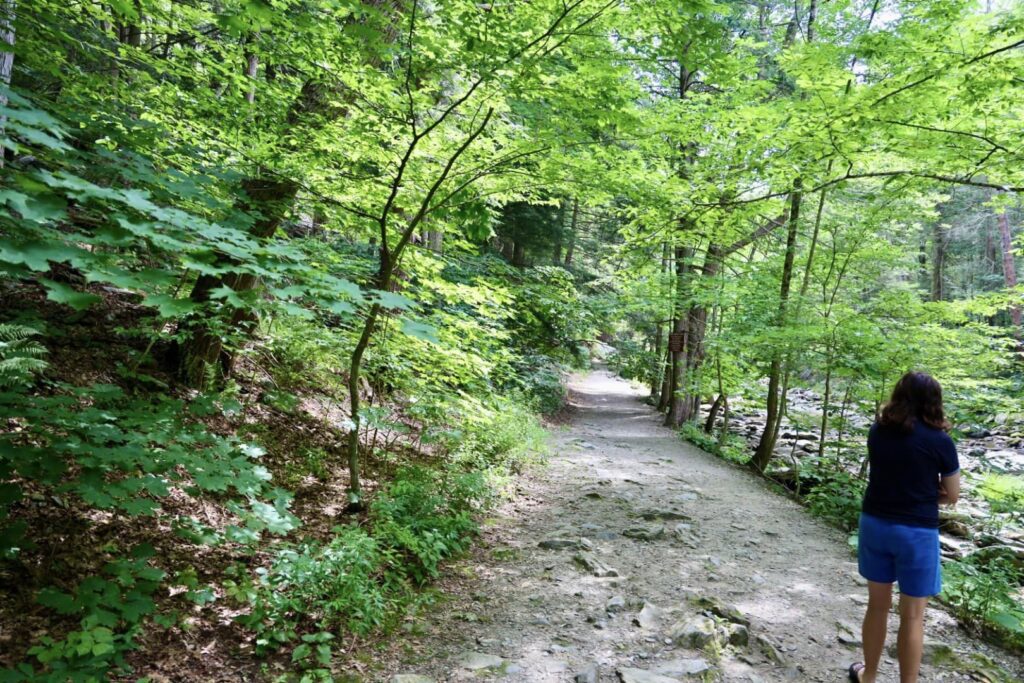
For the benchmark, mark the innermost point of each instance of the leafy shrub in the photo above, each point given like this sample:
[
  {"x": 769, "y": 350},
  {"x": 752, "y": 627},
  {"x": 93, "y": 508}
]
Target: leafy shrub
[
  {"x": 632, "y": 360},
  {"x": 333, "y": 586},
  {"x": 20, "y": 355},
  {"x": 833, "y": 495},
  {"x": 427, "y": 516},
  {"x": 114, "y": 451},
  {"x": 539, "y": 378},
  {"x": 112, "y": 610},
  {"x": 732, "y": 447},
  {"x": 1004, "y": 492},
  {"x": 982, "y": 595},
  {"x": 496, "y": 438}
]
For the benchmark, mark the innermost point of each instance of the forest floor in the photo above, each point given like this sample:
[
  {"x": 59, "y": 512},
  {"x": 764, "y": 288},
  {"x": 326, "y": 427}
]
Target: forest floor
[{"x": 659, "y": 554}]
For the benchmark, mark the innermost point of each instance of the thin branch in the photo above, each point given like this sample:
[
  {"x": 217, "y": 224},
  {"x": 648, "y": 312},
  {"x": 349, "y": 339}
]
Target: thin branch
[{"x": 929, "y": 77}]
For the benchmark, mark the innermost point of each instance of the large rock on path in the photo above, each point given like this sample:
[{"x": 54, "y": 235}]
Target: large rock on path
[
  {"x": 476, "y": 661},
  {"x": 628, "y": 675}
]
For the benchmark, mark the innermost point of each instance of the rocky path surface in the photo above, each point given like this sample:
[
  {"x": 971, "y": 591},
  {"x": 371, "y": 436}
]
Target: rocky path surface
[{"x": 636, "y": 557}]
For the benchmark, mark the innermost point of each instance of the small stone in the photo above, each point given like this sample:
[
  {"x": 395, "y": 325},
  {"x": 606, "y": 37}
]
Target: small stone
[
  {"x": 628, "y": 675},
  {"x": 594, "y": 566},
  {"x": 663, "y": 515},
  {"x": 640, "y": 533},
  {"x": 565, "y": 543},
  {"x": 616, "y": 603},
  {"x": 476, "y": 661},
  {"x": 739, "y": 635},
  {"x": 591, "y": 674},
  {"x": 649, "y": 617},
  {"x": 721, "y": 609},
  {"x": 683, "y": 667},
  {"x": 411, "y": 678},
  {"x": 694, "y": 633}
]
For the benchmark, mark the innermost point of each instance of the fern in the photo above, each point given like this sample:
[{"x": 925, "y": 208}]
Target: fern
[{"x": 20, "y": 355}]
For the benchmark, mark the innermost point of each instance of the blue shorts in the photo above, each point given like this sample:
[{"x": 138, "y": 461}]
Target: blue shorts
[{"x": 888, "y": 552}]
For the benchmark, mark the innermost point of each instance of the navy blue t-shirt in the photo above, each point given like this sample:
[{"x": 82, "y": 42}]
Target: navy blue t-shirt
[{"x": 903, "y": 485}]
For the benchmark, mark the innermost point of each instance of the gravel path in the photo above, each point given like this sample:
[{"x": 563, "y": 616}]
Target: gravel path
[{"x": 666, "y": 564}]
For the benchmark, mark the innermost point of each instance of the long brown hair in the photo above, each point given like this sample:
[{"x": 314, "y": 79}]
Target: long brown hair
[{"x": 917, "y": 396}]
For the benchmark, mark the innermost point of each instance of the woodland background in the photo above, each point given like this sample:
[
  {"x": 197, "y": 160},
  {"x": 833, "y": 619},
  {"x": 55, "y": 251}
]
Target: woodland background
[{"x": 285, "y": 286}]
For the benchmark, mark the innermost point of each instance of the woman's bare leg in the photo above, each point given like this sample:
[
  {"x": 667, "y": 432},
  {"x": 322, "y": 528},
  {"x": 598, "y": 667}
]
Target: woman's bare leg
[
  {"x": 911, "y": 638},
  {"x": 876, "y": 621}
]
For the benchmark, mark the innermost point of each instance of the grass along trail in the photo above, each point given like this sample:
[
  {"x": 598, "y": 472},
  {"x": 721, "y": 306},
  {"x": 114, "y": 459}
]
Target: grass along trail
[{"x": 637, "y": 557}]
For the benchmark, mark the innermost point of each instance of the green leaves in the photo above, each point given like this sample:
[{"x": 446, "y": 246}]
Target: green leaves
[{"x": 65, "y": 294}]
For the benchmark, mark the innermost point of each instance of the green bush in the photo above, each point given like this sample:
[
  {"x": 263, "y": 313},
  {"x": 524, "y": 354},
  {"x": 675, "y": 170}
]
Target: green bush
[
  {"x": 426, "y": 516},
  {"x": 981, "y": 594},
  {"x": 111, "y": 608},
  {"x": 833, "y": 495},
  {"x": 334, "y": 585}
]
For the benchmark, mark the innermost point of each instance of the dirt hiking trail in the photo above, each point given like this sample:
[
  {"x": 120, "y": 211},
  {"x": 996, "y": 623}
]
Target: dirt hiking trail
[{"x": 636, "y": 557}]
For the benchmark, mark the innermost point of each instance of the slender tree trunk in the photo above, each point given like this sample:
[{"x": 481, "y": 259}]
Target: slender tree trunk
[
  {"x": 1009, "y": 267},
  {"x": 8, "y": 10},
  {"x": 659, "y": 335},
  {"x": 766, "y": 446},
  {"x": 252, "y": 63},
  {"x": 939, "y": 242},
  {"x": 573, "y": 223},
  {"x": 825, "y": 400},
  {"x": 709, "y": 425}
]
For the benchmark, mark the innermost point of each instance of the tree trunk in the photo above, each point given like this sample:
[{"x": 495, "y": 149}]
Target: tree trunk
[
  {"x": 709, "y": 426},
  {"x": 655, "y": 379},
  {"x": 519, "y": 255},
  {"x": 766, "y": 446},
  {"x": 825, "y": 399},
  {"x": 508, "y": 249},
  {"x": 269, "y": 199},
  {"x": 1009, "y": 267},
  {"x": 8, "y": 10},
  {"x": 680, "y": 323},
  {"x": 572, "y": 231},
  {"x": 696, "y": 333},
  {"x": 939, "y": 243}
]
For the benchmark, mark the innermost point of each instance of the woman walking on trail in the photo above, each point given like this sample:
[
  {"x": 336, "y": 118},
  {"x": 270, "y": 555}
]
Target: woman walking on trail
[{"x": 914, "y": 469}]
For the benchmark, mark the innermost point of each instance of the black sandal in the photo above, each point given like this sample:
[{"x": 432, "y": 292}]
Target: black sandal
[{"x": 854, "y": 671}]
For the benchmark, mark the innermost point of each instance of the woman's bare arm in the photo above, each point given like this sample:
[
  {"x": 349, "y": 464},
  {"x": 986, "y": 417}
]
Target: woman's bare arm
[{"x": 949, "y": 489}]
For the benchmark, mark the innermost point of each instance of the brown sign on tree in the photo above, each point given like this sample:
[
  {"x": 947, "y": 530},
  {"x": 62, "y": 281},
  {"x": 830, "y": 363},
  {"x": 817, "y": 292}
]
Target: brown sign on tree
[{"x": 676, "y": 340}]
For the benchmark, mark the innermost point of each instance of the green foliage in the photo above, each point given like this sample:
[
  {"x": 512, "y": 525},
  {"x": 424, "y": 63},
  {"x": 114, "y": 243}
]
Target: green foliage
[
  {"x": 20, "y": 354},
  {"x": 1004, "y": 492},
  {"x": 835, "y": 495},
  {"x": 731, "y": 447},
  {"x": 980, "y": 594},
  {"x": 111, "y": 608},
  {"x": 360, "y": 579},
  {"x": 330, "y": 586},
  {"x": 427, "y": 516}
]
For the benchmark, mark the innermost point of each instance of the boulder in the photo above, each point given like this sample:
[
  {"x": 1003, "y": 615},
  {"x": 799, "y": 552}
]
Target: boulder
[{"x": 693, "y": 633}]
